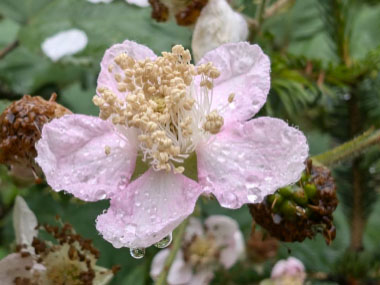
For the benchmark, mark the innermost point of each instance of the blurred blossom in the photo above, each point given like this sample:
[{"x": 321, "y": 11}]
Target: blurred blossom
[
  {"x": 64, "y": 43},
  {"x": 162, "y": 110},
  {"x": 205, "y": 248},
  {"x": 217, "y": 24},
  {"x": 141, "y": 3},
  {"x": 20, "y": 128},
  {"x": 288, "y": 272},
  {"x": 71, "y": 261}
]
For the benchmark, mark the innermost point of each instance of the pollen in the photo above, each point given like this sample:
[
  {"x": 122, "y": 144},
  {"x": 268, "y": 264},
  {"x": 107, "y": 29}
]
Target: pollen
[{"x": 161, "y": 99}]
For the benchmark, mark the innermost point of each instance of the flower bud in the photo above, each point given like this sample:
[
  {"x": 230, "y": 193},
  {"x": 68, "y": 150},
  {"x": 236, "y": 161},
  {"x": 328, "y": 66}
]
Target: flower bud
[
  {"x": 20, "y": 128},
  {"x": 299, "y": 211},
  {"x": 217, "y": 24}
]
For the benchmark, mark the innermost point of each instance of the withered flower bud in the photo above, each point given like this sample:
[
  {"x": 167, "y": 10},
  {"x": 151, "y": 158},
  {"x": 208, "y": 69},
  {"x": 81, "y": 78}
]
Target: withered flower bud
[
  {"x": 20, "y": 128},
  {"x": 300, "y": 211},
  {"x": 186, "y": 12}
]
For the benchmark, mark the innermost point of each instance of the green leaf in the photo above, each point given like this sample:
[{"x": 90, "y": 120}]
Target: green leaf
[{"x": 78, "y": 100}]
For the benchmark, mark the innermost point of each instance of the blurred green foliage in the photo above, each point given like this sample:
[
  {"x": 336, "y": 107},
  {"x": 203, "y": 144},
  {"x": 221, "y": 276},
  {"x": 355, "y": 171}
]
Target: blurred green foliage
[{"x": 312, "y": 87}]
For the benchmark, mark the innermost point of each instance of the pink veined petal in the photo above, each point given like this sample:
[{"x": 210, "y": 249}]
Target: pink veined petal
[
  {"x": 12, "y": 266},
  {"x": 72, "y": 154},
  {"x": 149, "y": 209},
  {"x": 109, "y": 68},
  {"x": 228, "y": 236},
  {"x": 247, "y": 161},
  {"x": 245, "y": 72}
]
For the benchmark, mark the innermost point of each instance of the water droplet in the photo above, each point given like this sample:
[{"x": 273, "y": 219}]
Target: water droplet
[
  {"x": 137, "y": 252},
  {"x": 165, "y": 242},
  {"x": 229, "y": 200},
  {"x": 100, "y": 194},
  {"x": 122, "y": 143}
]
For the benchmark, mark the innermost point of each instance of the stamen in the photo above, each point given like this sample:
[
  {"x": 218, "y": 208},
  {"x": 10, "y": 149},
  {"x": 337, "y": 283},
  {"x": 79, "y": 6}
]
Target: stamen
[{"x": 163, "y": 103}]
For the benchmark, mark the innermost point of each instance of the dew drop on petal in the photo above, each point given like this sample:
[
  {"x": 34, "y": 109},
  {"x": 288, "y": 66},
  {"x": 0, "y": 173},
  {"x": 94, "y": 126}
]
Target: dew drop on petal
[
  {"x": 252, "y": 194},
  {"x": 165, "y": 242},
  {"x": 229, "y": 200},
  {"x": 100, "y": 194},
  {"x": 138, "y": 252}
]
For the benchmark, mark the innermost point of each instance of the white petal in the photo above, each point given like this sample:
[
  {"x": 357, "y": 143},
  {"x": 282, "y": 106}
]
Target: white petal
[
  {"x": 217, "y": 24},
  {"x": 13, "y": 266},
  {"x": 228, "y": 236},
  {"x": 203, "y": 277},
  {"x": 141, "y": 3},
  {"x": 24, "y": 222},
  {"x": 194, "y": 228},
  {"x": 64, "y": 43},
  {"x": 179, "y": 273}
]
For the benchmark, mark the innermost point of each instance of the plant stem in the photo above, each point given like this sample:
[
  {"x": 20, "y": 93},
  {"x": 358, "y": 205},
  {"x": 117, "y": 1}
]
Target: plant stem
[
  {"x": 177, "y": 241},
  {"x": 261, "y": 12},
  {"x": 8, "y": 49},
  {"x": 349, "y": 149}
]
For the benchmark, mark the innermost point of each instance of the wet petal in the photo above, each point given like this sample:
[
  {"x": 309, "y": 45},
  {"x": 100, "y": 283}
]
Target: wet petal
[
  {"x": 245, "y": 72},
  {"x": 64, "y": 43},
  {"x": 86, "y": 156},
  {"x": 180, "y": 272},
  {"x": 109, "y": 68},
  {"x": 149, "y": 209},
  {"x": 24, "y": 222},
  {"x": 247, "y": 161}
]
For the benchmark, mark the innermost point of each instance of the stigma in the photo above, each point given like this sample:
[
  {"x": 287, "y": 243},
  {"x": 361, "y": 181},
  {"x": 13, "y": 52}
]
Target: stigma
[{"x": 163, "y": 101}]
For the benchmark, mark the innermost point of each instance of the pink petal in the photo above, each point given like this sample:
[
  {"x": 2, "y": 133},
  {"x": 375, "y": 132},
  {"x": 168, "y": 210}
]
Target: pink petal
[
  {"x": 247, "y": 161},
  {"x": 245, "y": 71},
  {"x": 180, "y": 273},
  {"x": 289, "y": 267},
  {"x": 72, "y": 155},
  {"x": 228, "y": 236},
  {"x": 132, "y": 49},
  {"x": 149, "y": 209},
  {"x": 13, "y": 266}
]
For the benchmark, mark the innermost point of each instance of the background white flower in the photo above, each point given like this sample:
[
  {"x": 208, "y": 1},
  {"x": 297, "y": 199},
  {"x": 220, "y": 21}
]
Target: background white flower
[{"x": 64, "y": 43}]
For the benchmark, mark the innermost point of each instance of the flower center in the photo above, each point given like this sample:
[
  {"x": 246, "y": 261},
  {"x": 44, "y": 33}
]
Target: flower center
[
  {"x": 202, "y": 251},
  {"x": 164, "y": 104}
]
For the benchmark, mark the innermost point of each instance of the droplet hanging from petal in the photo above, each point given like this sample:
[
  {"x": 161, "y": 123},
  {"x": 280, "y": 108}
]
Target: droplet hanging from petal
[
  {"x": 137, "y": 252},
  {"x": 165, "y": 242}
]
